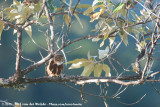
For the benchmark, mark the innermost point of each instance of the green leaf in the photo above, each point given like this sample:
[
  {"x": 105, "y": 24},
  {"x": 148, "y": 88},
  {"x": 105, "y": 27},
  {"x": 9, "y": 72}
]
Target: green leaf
[
  {"x": 88, "y": 69},
  {"x": 98, "y": 70},
  {"x": 106, "y": 68},
  {"x": 118, "y": 7},
  {"x": 28, "y": 29},
  {"x": 76, "y": 15},
  {"x": 1, "y": 28}
]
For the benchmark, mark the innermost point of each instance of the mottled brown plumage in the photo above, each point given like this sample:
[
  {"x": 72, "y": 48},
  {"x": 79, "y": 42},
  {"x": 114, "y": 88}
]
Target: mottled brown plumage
[
  {"x": 55, "y": 66},
  {"x": 28, "y": 2}
]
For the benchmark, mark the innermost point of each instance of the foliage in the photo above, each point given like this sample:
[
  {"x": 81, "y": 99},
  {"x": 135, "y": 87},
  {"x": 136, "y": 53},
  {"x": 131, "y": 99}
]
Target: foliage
[{"x": 131, "y": 22}]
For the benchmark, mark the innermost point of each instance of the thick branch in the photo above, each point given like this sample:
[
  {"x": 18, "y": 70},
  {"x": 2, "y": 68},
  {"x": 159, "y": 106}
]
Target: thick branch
[
  {"x": 19, "y": 51},
  {"x": 126, "y": 80},
  {"x": 10, "y": 24},
  {"x": 153, "y": 44},
  {"x": 36, "y": 65}
]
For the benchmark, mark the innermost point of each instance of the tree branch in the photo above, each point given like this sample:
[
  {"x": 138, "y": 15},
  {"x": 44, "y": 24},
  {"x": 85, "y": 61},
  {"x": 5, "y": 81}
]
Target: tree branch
[
  {"x": 19, "y": 51},
  {"x": 36, "y": 65},
  {"x": 51, "y": 27}
]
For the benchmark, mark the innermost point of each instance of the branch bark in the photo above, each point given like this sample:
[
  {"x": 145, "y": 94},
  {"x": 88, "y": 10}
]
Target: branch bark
[
  {"x": 51, "y": 27},
  {"x": 19, "y": 51}
]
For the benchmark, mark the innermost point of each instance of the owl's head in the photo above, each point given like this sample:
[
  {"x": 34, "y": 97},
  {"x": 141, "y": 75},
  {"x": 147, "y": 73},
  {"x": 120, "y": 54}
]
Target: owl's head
[{"x": 58, "y": 59}]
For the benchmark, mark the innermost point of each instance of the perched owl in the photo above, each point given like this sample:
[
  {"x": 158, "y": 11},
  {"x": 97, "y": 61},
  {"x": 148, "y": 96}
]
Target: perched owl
[
  {"x": 28, "y": 2},
  {"x": 55, "y": 66}
]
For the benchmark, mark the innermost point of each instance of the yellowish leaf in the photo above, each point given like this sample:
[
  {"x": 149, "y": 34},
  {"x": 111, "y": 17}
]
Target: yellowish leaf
[
  {"x": 88, "y": 11},
  {"x": 102, "y": 43},
  {"x": 124, "y": 38},
  {"x": 91, "y": 9},
  {"x": 95, "y": 39},
  {"x": 83, "y": 6},
  {"x": 95, "y": 16},
  {"x": 111, "y": 41},
  {"x": 53, "y": 18},
  {"x": 1, "y": 28},
  {"x": 123, "y": 11},
  {"x": 77, "y": 60},
  {"x": 76, "y": 15},
  {"x": 77, "y": 65},
  {"x": 16, "y": 2},
  {"x": 14, "y": 31},
  {"x": 148, "y": 38},
  {"x": 59, "y": 9},
  {"x": 149, "y": 30},
  {"x": 134, "y": 67},
  {"x": 106, "y": 68},
  {"x": 28, "y": 11},
  {"x": 80, "y": 64},
  {"x": 143, "y": 43},
  {"x": 7, "y": 9},
  {"x": 28, "y": 29},
  {"x": 98, "y": 70},
  {"x": 37, "y": 7},
  {"x": 93, "y": 30},
  {"x": 67, "y": 19},
  {"x": 103, "y": 53},
  {"x": 101, "y": 6},
  {"x": 88, "y": 55},
  {"x": 88, "y": 69}
]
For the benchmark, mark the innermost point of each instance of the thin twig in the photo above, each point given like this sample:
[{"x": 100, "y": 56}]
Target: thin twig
[
  {"x": 155, "y": 88},
  {"x": 104, "y": 97},
  {"x": 153, "y": 44},
  {"x": 86, "y": 93},
  {"x": 42, "y": 8},
  {"x": 131, "y": 103},
  {"x": 28, "y": 59},
  {"x": 82, "y": 96},
  {"x": 69, "y": 25}
]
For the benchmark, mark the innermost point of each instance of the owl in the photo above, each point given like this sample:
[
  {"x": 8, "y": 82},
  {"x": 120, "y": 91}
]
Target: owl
[
  {"x": 55, "y": 66},
  {"x": 28, "y": 2}
]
